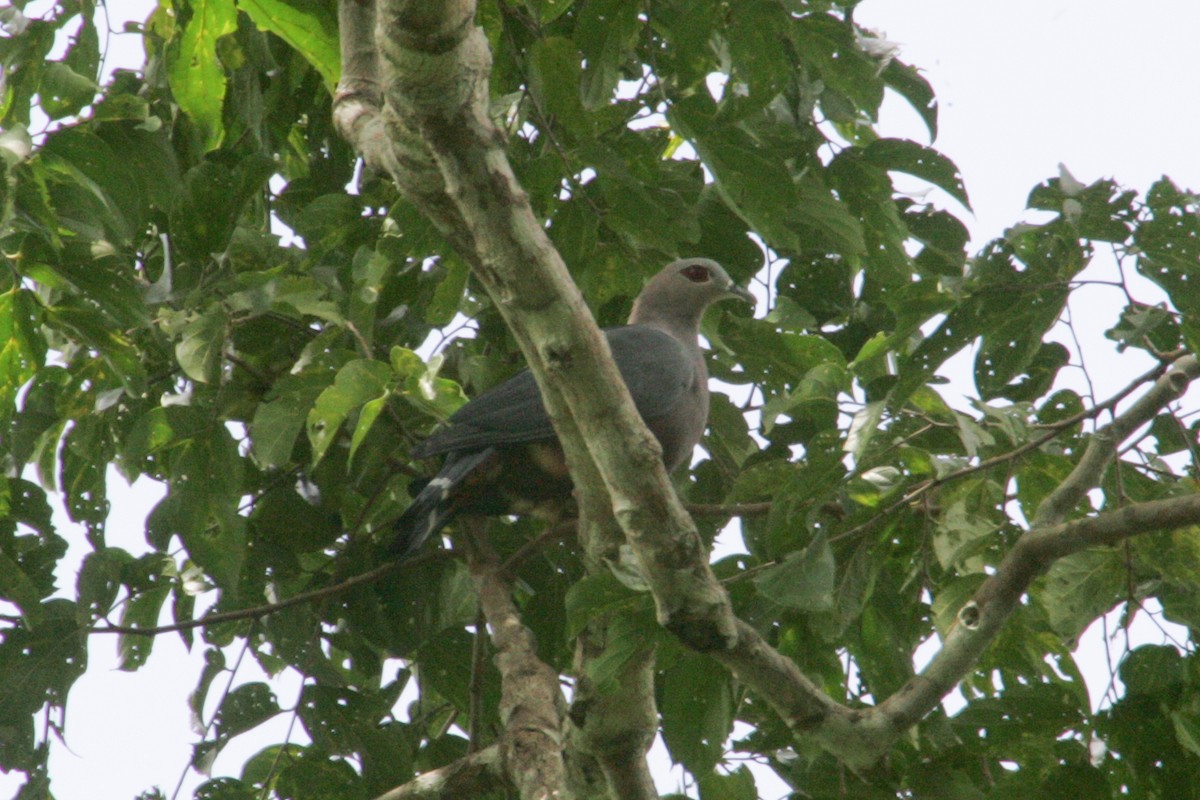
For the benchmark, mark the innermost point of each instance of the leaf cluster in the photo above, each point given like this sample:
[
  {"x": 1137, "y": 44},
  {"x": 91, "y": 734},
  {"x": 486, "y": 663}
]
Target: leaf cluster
[{"x": 192, "y": 294}]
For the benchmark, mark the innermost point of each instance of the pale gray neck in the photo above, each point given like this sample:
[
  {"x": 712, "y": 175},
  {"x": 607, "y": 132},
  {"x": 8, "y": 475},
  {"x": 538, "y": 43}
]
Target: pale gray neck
[{"x": 682, "y": 324}]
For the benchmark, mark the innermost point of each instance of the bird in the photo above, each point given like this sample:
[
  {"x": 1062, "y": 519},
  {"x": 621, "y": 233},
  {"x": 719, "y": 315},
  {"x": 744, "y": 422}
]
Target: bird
[{"x": 501, "y": 453}]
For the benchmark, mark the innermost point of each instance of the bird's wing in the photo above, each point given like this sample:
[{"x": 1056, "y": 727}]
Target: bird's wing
[{"x": 656, "y": 367}]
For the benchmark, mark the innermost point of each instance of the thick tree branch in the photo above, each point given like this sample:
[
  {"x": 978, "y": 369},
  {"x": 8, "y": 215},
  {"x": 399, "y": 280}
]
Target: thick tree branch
[
  {"x": 449, "y": 160},
  {"x": 532, "y": 708},
  {"x": 980, "y": 620},
  {"x": 613, "y": 724}
]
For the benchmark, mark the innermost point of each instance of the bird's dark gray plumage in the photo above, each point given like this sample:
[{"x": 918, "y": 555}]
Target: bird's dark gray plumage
[{"x": 502, "y": 455}]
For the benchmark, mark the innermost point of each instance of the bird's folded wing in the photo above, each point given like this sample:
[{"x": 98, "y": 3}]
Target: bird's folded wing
[{"x": 656, "y": 367}]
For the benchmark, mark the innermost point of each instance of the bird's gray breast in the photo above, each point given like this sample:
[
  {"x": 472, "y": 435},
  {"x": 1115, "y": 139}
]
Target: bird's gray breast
[{"x": 680, "y": 428}]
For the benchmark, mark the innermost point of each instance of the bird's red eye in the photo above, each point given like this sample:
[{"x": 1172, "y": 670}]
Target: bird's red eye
[{"x": 696, "y": 273}]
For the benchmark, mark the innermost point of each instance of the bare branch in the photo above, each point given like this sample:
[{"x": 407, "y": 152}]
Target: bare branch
[
  {"x": 1103, "y": 445},
  {"x": 731, "y": 510},
  {"x": 980, "y": 620},
  {"x": 471, "y": 776},
  {"x": 263, "y": 610},
  {"x": 532, "y": 708},
  {"x": 616, "y": 724},
  {"x": 1012, "y": 455}
]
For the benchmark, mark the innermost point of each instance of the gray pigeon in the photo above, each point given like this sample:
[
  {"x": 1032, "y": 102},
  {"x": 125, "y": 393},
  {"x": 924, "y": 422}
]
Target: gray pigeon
[{"x": 502, "y": 456}]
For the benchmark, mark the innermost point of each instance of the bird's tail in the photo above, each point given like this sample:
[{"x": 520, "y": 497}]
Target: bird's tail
[{"x": 435, "y": 505}]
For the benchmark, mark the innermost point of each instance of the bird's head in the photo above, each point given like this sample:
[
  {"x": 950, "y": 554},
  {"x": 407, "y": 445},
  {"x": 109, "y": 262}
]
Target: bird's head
[{"x": 682, "y": 291}]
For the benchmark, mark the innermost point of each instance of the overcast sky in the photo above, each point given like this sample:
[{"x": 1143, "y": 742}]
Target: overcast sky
[{"x": 1106, "y": 87}]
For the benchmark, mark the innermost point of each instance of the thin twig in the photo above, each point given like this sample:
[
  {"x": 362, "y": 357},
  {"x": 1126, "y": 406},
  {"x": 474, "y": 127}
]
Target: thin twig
[
  {"x": 1055, "y": 430},
  {"x": 270, "y": 608}
]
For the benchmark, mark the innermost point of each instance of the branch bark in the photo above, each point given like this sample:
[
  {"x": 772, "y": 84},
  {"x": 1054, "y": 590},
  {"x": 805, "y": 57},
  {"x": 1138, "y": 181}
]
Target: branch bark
[
  {"x": 615, "y": 725},
  {"x": 471, "y": 776},
  {"x": 532, "y": 708},
  {"x": 1103, "y": 445}
]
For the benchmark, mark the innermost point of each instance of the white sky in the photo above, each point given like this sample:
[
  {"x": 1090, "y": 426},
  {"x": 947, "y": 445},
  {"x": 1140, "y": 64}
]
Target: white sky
[{"x": 1107, "y": 87}]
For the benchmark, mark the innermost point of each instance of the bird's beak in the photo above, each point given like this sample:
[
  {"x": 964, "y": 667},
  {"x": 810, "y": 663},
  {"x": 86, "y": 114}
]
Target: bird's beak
[{"x": 742, "y": 294}]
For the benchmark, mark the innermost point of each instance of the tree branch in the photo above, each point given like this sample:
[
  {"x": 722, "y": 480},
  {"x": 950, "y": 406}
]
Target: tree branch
[
  {"x": 979, "y": 620},
  {"x": 1103, "y": 445},
  {"x": 471, "y": 776},
  {"x": 615, "y": 724},
  {"x": 532, "y": 708},
  {"x": 449, "y": 160},
  {"x": 1056, "y": 429},
  {"x": 255, "y": 612}
]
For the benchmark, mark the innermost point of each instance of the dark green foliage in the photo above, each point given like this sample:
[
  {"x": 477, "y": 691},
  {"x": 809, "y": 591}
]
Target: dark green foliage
[{"x": 190, "y": 294}]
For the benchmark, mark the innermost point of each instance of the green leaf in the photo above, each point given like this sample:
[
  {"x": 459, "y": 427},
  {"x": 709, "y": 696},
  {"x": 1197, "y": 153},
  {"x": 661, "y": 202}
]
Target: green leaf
[
  {"x": 554, "y": 76},
  {"x": 604, "y": 32},
  {"x": 961, "y": 533},
  {"x": 307, "y": 27},
  {"x": 757, "y": 50},
  {"x": 278, "y": 421},
  {"x": 214, "y": 665},
  {"x": 1079, "y": 588},
  {"x": 16, "y": 587},
  {"x": 64, "y": 91},
  {"x": 200, "y": 348},
  {"x": 317, "y": 777},
  {"x": 140, "y": 611},
  {"x": 85, "y": 325},
  {"x": 246, "y": 707},
  {"x": 805, "y": 579},
  {"x": 1169, "y": 241},
  {"x": 735, "y": 785},
  {"x": 22, "y": 349},
  {"x": 44, "y": 663},
  {"x": 907, "y": 82},
  {"x": 627, "y": 635},
  {"x": 366, "y": 420},
  {"x": 439, "y": 397},
  {"x": 594, "y": 596},
  {"x": 697, "y": 711},
  {"x": 827, "y": 46},
  {"x": 85, "y": 453},
  {"x": 196, "y": 75},
  {"x": 308, "y": 297},
  {"x": 902, "y": 155},
  {"x": 356, "y": 383},
  {"x": 449, "y": 293},
  {"x": 101, "y": 281},
  {"x": 114, "y": 183},
  {"x": 286, "y": 521},
  {"x": 210, "y": 200},
  {"x": 753, "y": 181},
  {"x": 1153, "y": 670}
]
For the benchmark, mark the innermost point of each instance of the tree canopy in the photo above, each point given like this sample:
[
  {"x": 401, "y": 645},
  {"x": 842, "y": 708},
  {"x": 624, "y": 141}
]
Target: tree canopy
[{"x": 262, "y": 268}]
